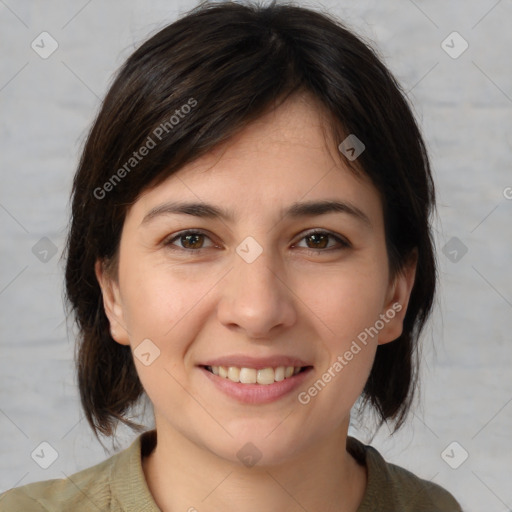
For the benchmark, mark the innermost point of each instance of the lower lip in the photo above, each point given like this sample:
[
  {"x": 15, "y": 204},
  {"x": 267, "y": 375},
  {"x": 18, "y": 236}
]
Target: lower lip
[{"x": 257, "y": 393}]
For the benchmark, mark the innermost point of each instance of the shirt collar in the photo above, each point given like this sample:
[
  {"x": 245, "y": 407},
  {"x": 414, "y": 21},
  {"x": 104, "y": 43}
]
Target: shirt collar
[
  {"x": 130, "y": 488},
  {"x": 128, "y": 481}
]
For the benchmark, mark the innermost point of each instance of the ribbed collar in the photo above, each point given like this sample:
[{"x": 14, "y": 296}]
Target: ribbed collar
[
  {"x": 380, "y": 491},
  {"x": 128, "y": 481},
  {"x": 129, "y": 484}
]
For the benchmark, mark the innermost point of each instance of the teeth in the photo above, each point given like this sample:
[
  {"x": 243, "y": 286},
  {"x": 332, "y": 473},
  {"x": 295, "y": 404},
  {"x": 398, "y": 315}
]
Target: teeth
[
  {"x": 263, "y": 376},
  {"x": 279, "y": 373},
  {"x": 247, "y": 376},
  {"x": 234, "y": 373}
]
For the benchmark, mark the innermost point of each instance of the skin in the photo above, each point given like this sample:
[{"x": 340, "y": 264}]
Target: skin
[{"x": 290, "y": 300}]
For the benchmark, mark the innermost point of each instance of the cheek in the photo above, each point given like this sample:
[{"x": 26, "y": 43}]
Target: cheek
[
  {"x": 344, "y": 306},
  {"x": 345, "y": 301},
  {"x": 159, "y": 297},
  {"x": 163, "y": 306}
]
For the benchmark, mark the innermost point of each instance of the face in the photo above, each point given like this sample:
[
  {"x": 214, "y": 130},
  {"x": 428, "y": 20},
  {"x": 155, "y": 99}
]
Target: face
[{"x": 258, "y": 279}]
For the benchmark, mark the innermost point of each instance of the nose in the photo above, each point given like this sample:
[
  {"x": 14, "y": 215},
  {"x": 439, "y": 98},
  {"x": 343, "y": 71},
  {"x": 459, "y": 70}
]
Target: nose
[{"x": 255, "y": 297}]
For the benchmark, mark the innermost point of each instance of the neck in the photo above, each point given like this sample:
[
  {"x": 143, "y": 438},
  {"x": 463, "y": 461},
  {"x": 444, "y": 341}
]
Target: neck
[{"x": 183, "y": 476}]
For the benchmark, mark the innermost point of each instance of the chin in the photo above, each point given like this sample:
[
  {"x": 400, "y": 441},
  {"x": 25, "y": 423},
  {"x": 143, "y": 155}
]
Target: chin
[{"x": 261, "y": 445}]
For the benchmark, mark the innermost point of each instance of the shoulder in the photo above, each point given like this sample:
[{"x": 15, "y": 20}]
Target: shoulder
[
  {"x": 80, "y": 491},
  {"x": 89, "y": 489},
  {"x": 420, "y": 494},
  {"x": 391, "y": 487}
]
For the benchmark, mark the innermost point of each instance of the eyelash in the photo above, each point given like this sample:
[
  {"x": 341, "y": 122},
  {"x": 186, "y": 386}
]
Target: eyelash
[{"x": 344, "y": 244}]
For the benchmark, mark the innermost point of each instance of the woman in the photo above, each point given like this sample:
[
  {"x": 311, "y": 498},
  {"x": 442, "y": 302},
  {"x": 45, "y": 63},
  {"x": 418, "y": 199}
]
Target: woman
[{"x": 249, "y": 248}]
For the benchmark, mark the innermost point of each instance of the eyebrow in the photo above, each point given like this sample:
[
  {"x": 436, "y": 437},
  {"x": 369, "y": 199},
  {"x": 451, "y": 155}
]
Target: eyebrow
[{"x": 296, "y": 210}]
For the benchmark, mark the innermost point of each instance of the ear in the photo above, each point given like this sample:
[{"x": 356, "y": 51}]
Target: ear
[
  {"x": 397, "y": 300},
  {"x": 112, "y": 304}
]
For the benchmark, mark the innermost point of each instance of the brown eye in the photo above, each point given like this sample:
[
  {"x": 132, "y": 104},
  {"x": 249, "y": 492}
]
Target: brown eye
[
  {"x": 319, "y": 241},
  {"x": 192, "y": 241},
  {"x": 189, "y": 240}
]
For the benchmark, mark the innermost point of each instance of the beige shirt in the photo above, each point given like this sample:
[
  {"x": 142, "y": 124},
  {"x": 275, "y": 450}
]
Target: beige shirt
[{"x": 118, "y": 484}]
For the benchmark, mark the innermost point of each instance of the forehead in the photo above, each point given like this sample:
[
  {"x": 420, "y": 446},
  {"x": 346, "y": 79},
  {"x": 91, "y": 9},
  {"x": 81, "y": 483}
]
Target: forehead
[
  {"x": 285, "y": 156},
  {"x": 300, "y": 123}
]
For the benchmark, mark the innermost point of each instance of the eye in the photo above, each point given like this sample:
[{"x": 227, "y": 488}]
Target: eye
[
  {"x": 316, "y": 241},
  {"x": 190, "y": 240},
  {"x": 319, "y": 241}
]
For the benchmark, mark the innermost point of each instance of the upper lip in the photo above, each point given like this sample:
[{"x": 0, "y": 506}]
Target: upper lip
[{"x": 258, "y": 363}]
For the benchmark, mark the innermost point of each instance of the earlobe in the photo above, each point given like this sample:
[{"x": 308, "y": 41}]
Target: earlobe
[
  {"x": 112, "y": 304},
  {"x": 398, "y": 300}
]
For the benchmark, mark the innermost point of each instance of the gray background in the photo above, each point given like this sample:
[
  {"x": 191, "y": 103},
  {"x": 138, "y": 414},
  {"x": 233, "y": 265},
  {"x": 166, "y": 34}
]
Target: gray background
[{"x": 464, "y": 106}]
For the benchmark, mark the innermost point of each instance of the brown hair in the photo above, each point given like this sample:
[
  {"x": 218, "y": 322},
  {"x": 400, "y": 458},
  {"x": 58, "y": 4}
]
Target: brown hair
[{"x": 237, "y": 61}]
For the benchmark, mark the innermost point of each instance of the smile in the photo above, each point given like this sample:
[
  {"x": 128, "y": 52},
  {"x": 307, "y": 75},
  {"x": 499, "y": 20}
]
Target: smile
[
  {"x": 264, "y": 376},
  {"x": 256, "y": 385}
]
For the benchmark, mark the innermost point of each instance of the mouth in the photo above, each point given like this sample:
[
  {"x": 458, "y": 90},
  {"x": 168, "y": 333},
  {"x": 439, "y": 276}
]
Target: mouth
[
  {"x": 256, "y": 380},
  {"x": 256, "y": 386},
  {"x": 262, "y": 376}
]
